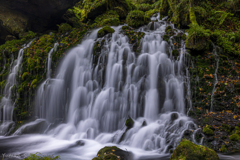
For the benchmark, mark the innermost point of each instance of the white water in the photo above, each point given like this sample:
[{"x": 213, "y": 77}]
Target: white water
[
  {"x": 92, "y": 102},
  {"x": 215, "y": 76},
  {"x": 7, "y": 105}
]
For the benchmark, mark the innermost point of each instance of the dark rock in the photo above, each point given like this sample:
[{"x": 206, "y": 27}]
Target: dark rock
[
  {"x": 112, "y": 153},
  {"x": 129, "y": 123},
  {"x": 37, "y": 126},
  {"x": 174, "y": 116},
  {"x": 144, "y": 123}
]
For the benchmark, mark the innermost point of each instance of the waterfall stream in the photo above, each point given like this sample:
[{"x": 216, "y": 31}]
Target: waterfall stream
[
  {"x": 6, "y": 113},
  {"x": 89, "y": 103},
  {"x": 215, "y": 76}
]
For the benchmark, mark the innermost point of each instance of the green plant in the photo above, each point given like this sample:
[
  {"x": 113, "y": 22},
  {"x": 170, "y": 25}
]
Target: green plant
[
  {"x": 234, "y": 137},
  {"x": 198, "y": 38},
  {"x": 223, "y": 148},
  {"x": 41, "y": 157}
]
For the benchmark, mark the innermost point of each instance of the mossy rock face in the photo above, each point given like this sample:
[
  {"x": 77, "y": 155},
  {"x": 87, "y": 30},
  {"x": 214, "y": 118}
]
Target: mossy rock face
[
  {"x": 14, "y": 22},
  {"x": 89, "y": 9},
  {"x": 104, "y": 31},
  {"x": 198, "y": 38},
  {"x": 113, "y": 153},
  {"x": 136, "y": 19},
  {"x": 187, "y": 150}
]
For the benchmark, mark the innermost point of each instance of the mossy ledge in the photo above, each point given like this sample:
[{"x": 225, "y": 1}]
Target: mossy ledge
[{"x": 187, "y": 150}]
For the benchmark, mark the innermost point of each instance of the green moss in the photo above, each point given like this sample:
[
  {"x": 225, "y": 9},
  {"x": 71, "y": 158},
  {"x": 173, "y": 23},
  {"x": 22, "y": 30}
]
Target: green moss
[
  {"x": 164, "y": 8},
  {"x": 187, "y": 150},
  {"x": 112, "y": 153},
  {"x": 193, "y": 18},
  {"x": 226, "y": 128},
  {"x": 129, "y": 123},
  {"x": 208, "y": 131},
  {"x": 223, "y": 148},
  {"x": 136, "y": 19},
  {"x": 64, "y": 27},
  {"x": 34, "y": 83},
  {"x": 104, "y": 31},
  {"x": 198, "y": 38},
  {"x": 234, "y": 137},
  {"x": 110, "y": 157}
]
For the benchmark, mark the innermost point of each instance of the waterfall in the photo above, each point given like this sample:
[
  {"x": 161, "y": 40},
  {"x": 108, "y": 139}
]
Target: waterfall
[
  {"x": 215, "y": 75},
  {"x": 91, "y": 102},
  {"x": 6, "y": 113}
]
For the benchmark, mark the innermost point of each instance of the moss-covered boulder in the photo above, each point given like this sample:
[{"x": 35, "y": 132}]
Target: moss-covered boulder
[
  {"x": 136, "y": 18},
  {"x": 113, "y": 153},
  {"x": 208, "y": 131},
  {"x": 89, "y": 9},
  {"x": 129, "y": 123},
  {"x": 234, "y": 137},
  {"x": 104, "y": 31},
  {"x": 187, "y": 150},
  {"x": 198, "y": 38},
  {"x": 64, "y": 27}
]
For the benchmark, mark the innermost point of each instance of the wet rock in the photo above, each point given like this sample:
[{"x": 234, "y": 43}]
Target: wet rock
[
  {"x": 144, "y": 123},
  {"x": 188, "y": 150},
  {"x": 174, "y": 116},
  {"x": 104, "y": 31},
  {"x": 113, "y": 153},
  {"x": 35, "y": 127}
]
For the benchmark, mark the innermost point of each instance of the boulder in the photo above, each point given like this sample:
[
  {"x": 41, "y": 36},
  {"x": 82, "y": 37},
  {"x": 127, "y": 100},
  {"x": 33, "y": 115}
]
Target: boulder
[
  {"x": 187, "y": 150},
  {"x": 104, "y": 31},
  {"x": 136, "y": 19},
  {"x": 113, "y": 153}
]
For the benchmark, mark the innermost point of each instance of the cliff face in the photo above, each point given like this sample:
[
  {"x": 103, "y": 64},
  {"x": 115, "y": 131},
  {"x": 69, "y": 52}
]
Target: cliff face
[{"x": 17, "y": 16}]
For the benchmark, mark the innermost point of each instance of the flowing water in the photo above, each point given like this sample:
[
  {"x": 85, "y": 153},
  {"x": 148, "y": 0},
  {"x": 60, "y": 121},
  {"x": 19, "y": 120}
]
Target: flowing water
[
  {"x": 7, "y": 105},
  {"x": 215, "y": 76},
  {"x": 84, "y": 107}
]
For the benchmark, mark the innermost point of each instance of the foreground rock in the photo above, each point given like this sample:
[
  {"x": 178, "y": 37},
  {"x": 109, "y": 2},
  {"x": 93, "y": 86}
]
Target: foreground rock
[
  {"x": 113, "y": 153},
  {"x": 187, "y": 150}
]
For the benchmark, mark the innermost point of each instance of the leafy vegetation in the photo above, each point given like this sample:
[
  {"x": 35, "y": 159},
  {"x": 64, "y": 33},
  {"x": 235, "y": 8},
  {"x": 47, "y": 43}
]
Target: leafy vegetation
[
  {"x": 38, "y": 156},
  {"x": 188, "y": 150},
  {"x": 136, "y": 18}
]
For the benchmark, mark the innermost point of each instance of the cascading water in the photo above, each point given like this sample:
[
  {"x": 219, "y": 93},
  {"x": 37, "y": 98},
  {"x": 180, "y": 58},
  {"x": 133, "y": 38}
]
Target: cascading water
[
  {"x": 215, "y": 76},
  {"x": 7, "y": 105},
  {"x": 92, "y": 101}
]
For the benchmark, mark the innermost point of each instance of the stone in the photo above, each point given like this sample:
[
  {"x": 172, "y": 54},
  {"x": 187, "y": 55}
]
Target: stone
[{"x": 187, "y": 150}]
